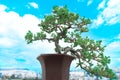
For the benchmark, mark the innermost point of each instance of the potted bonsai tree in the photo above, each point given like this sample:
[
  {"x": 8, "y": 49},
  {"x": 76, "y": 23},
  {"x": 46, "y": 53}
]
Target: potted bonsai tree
[{"x": 68, "y": 27}]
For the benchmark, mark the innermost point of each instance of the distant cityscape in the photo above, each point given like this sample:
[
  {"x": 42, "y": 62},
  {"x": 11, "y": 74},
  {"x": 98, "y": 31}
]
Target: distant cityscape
[
  {"x": 26, "y": 74},
  {"x": 22, "y": 74}
]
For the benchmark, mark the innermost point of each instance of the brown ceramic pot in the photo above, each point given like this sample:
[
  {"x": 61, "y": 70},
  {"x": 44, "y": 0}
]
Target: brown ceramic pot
[{"x": 55, "y": 66}]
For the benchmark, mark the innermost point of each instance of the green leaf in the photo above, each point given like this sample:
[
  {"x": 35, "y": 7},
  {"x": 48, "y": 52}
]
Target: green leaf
[
  {"x": 29, "y": 37},
  {"x": 75, "y": 44}
]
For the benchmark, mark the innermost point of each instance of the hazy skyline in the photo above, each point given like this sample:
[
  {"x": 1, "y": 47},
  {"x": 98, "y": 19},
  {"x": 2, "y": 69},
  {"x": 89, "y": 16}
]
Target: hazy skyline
[{"x": 17, "y": 17}]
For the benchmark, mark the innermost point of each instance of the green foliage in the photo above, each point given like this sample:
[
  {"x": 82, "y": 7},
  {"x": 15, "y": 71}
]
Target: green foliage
[
  {"x": 29, "y": 37},
  {"x": 65, "y": 25}
]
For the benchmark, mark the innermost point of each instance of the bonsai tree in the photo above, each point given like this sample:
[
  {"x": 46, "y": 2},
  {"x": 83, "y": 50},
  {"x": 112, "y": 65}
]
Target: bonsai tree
[{"x": 66, "y": 26}]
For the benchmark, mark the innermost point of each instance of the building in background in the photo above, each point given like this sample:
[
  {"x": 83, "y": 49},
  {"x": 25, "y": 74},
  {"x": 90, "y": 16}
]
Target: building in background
[
  {"x": 82, "y": 75},
  {"x": 31, "y": 75},
  {"x": 18, "y": 74}
]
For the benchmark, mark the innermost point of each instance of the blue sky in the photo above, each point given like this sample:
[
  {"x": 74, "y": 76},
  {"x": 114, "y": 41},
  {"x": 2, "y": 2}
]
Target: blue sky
[{"x": 17, "y": 17}]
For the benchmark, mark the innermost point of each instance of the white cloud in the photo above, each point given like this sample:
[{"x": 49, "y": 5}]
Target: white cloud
[
  {"x": 110, "y": 14},
  {"x": 33, "y": 4},
  {"x": 114, "y": 20},
  {"x": 113, "y": 3},
  {"x": 113, "y": 50},
  {"x": 101, "y": 5},
  {"x": 7, "y": 42},
  {"x": 114, "y": 46},
  {"x": 11, "y": 24},
  {"x": 13, "y": 28},
  {"x": 98, "y": 21},
  {"x": 3, "y": 7},
  {"x": 89, "y": 2}
]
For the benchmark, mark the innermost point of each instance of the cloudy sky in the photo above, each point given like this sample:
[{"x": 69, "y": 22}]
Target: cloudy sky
[{"x": 17, "y": 17}]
